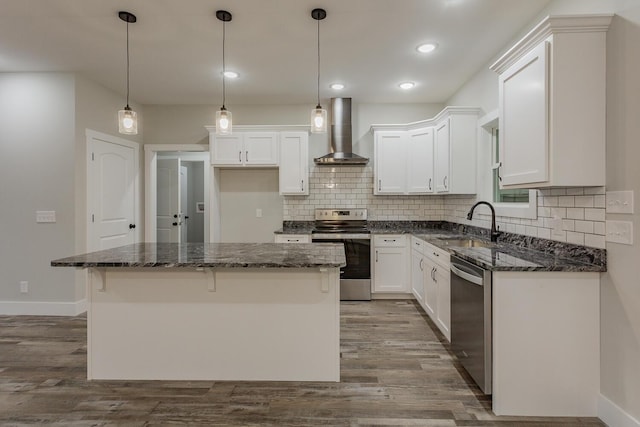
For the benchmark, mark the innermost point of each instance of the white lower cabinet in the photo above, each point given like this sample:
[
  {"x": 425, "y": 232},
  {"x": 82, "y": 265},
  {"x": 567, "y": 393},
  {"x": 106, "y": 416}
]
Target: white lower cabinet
[
  {"x": 293, "y": 238},
  {"x": 390, "y": 263},
  {"x": 431, "y": 284}
]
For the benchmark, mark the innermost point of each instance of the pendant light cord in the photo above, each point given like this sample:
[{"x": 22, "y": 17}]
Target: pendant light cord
[
  {"x": 224, "y": 68},
  {"x": 127, "y": 64},
  {"x": 318, "y": 63}
]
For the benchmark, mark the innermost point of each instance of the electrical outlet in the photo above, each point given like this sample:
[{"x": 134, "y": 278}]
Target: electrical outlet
[
  {"x": 619, "y": 202},
  {"x": 24, "y": 287},
  {"x": 258, "y": 213},
  {"x": 620, "y": 232},
  {"x": 45, "y": 216}
]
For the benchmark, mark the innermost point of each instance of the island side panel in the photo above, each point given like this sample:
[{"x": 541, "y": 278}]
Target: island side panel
[
  {"x": 546, "y": 343},
  {"x": 258, "y": 324}
]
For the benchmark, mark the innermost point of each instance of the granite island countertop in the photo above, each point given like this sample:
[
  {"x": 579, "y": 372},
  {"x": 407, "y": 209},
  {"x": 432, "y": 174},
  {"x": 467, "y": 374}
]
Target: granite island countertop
[{"x": 212, "y": 255}]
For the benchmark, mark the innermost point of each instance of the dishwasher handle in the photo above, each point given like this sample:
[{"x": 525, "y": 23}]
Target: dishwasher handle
[{"x": 476, "y": 280}]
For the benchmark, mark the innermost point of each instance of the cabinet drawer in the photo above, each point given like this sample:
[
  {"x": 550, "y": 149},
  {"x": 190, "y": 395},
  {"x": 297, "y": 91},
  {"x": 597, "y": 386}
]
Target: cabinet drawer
[
  {"x": 390, "y": 240},
  {"x": 292, "y": 238},
  {"x": 439, "y": 256},
  {"x": 418, "y": 245}
]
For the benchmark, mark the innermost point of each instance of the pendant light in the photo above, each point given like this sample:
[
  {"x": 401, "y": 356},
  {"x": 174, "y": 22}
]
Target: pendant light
[
  {"x": 318, "y": 114},
  {"x": 127, "y": 118},
  {"x": 224, "y": 123}
]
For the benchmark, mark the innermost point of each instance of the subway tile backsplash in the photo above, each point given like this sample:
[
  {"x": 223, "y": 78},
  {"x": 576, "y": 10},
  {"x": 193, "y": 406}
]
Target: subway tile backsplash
[{"x": 581, "y": 211}]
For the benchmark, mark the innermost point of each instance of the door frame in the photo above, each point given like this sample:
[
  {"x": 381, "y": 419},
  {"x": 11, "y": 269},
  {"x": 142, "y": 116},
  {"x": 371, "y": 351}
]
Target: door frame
[
  {"x": 150, "y": 187},
  {"x": 91, "y": 136}
]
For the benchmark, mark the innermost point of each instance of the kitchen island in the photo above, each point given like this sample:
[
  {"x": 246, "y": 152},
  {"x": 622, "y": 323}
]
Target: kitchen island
[{"x": 225, "y": 311}]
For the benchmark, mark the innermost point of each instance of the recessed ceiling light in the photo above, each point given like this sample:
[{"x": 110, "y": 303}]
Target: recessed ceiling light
[
  {"x": 230, "y": 74},
  {"x": 337, "y": 86},
  {"x": 427, "y": 47},
  {"x": 407, "y": 85}
]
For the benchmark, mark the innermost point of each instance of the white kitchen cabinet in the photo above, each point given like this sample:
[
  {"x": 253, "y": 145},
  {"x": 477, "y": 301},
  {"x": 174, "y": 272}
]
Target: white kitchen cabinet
[
  {"x": 420, "y": 161},
  {"x": 294, "y": 163},
  {"x": 390, "y": 264},
  {"x": 436, "y": 302},
  {"x": 417, "y": 270},
  {"x": 390, "y": 162},
  {"x": 292, "y": 238},
  {"x": 258, "y": 149},
  {"x": 430, "y": 156},
  {"x": 552, "y": 105}
]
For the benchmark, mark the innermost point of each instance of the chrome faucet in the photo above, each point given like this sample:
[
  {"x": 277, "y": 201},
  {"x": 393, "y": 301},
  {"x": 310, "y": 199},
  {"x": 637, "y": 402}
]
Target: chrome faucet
[{"x": 494, "y": 232}]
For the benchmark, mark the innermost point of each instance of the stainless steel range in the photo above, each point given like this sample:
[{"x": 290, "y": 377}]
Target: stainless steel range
[{"x": 348, "y": 226}]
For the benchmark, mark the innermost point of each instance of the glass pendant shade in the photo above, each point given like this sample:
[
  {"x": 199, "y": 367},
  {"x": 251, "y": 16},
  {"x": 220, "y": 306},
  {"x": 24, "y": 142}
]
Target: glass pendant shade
[
  {"x": 224, "y": 122},
  {"x": 128, "y": 121},
  {"x": 318, "y": 120}
]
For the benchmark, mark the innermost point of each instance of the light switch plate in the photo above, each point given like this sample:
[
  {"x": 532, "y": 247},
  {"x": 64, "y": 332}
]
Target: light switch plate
[
  {"x": 619, "y": 202},
  {"x": 45, "y": 216},
  {"x": 620, "y": 232}
]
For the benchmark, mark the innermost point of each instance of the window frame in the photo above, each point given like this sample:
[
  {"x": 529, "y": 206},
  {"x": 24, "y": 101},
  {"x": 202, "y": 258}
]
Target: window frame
[{"x": 529, "y": 210}]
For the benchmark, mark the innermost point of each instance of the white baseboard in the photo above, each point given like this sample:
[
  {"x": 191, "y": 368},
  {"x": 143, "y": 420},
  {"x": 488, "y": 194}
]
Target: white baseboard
[
  {"x": 613, "y": 415},
  {"x": 42, "y": 308}
]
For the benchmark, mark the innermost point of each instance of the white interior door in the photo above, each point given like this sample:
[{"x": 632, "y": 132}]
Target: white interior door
[
  {"x": 111, "y": 194},
  {"x": 168, "y": 197},
  {"x": 183, "y": 217}
]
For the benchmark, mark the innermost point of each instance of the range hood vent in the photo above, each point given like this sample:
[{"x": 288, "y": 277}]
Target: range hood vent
[{"x": 341, "y": 137}]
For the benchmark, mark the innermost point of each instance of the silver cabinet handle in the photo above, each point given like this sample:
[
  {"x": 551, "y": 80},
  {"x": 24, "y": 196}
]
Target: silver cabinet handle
[
  {"x": 379, "y": 185},
  {"x": 444, "y": 182},
  {"x": 302, "y": 185},
  {"x": 389, "y": 240},
  {"x": 246, "y": 156},
  {"x": 433, "y": 270},
  {"x": 429, "y": 184},
  {"x": 240, "y": 156},
  {"x": 421, "y": 260},
  {"x": 436, "y": 254},
  {"x": 376, "y": 256},
  {"x": 293, "y": 240}
]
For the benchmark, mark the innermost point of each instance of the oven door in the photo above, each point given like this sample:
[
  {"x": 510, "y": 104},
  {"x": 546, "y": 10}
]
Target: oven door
[{"x": 355, "y": 277}]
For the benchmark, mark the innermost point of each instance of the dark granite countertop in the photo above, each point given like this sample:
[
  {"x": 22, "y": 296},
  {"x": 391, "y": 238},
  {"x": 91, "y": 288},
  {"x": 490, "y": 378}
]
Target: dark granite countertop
[
  {"x": 512, "y": 252},
  {"x": 213, "y": 255}
]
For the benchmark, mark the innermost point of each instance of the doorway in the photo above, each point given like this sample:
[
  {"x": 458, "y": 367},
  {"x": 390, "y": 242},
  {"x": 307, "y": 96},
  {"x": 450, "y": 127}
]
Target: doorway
[{"x": 177, "y": 193}]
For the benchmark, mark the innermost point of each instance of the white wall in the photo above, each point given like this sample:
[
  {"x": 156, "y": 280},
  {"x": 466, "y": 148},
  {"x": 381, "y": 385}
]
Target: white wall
[
  {"x": 37, "y": 145},
  {"x": 242, "y": 191},
  {"x": 620, "y": 290}
]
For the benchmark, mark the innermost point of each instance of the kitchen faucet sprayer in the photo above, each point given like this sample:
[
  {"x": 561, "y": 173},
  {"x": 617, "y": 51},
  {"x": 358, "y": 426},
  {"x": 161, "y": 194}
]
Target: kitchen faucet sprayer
[{"x": 494, "y": 232}]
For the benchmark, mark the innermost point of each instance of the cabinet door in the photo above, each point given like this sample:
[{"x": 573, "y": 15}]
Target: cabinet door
[
  {"x": 524, "y": 144},
  {"x": 430, "y": 288},
  {"x": 420, "y": 161},
  {"x": 442, "y": 156},
  {"x": 443, "y": 300},
  {"x": 417, "y": 276},
  {"x": 261, "y": 148},
  {"x": 294, "y": 163},
  {"x": 390, "y": 270},
  {"x": 226, "y": 150},
  {"x": 390, "y": 163}
]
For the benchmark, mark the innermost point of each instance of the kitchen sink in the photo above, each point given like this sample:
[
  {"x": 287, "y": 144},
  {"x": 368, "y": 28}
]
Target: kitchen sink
[{"x": 468, "y": 243}]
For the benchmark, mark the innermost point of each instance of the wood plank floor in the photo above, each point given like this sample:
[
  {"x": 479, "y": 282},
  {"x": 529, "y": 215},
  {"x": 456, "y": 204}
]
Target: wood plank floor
[{"x": 395, "y": 371}]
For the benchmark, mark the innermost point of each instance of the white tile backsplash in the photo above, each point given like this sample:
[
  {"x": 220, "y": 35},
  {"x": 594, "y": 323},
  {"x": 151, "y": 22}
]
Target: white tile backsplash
[{"x": 581, "y": 210}]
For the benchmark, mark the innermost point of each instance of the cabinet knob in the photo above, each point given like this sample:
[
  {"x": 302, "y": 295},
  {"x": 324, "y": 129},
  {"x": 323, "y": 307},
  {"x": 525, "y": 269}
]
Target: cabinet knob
[
  {"x": 132, "y": 226},
  {"x": 175, "y": 224}
]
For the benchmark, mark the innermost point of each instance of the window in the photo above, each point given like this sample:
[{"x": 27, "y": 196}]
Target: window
[
  {"x": 500, "y": 195},
  {"x": 516, "y": 203}
]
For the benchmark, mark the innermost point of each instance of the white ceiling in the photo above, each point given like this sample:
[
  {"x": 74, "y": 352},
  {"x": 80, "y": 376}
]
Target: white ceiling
[{"x": 176, "y": 46}]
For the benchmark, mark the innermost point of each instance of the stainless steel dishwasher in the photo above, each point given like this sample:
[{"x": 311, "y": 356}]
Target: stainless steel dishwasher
[{"x": 471, "y": 320}]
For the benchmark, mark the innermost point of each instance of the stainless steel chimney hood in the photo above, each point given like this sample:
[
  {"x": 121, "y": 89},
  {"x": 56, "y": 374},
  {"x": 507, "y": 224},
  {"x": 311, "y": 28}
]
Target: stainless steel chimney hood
[{"x": 341, "y": 134}]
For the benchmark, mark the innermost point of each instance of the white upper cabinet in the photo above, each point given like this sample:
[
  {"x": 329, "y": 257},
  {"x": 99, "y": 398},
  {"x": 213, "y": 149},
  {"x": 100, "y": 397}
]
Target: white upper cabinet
[
  {"x": 390, "y": 169},
  {"x": 294, "y": 163},
  {"x": 552, "y": 105},
  {"x": 258, "y": 149},
  {"x": 428, "y": 157},
  {"x": 420, "y": 161},
  {"x": 442, "y": 157}
]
